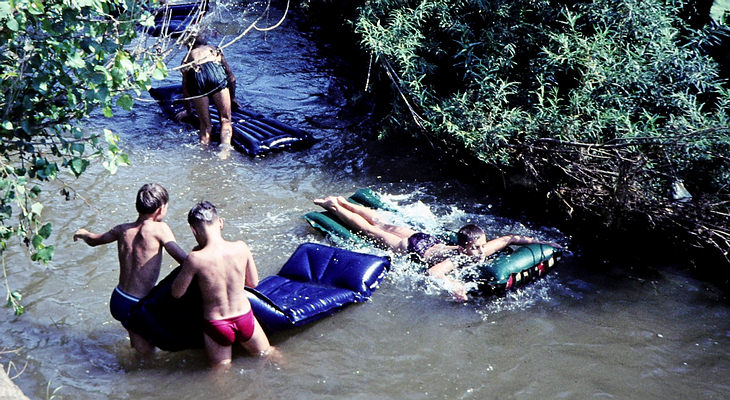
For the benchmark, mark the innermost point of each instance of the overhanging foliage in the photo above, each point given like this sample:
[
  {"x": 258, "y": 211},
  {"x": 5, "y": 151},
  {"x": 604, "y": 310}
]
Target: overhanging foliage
[{"x": 59, "y": 61}]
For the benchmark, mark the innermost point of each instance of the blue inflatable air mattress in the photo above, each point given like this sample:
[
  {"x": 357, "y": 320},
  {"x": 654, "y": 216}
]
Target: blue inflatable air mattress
[
  {"x": 253, "y": 133},
  {"x": 316, "y": 281},
  {"x": 174, "y": 19}
]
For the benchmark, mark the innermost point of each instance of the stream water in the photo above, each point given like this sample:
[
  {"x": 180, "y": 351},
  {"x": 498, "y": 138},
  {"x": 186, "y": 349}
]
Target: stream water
[{"x": 586, "y": 331}]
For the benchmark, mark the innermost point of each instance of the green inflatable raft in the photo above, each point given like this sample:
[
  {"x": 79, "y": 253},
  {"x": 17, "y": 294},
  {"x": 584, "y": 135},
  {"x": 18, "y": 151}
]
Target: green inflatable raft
[{"x": 511, "y": 268}]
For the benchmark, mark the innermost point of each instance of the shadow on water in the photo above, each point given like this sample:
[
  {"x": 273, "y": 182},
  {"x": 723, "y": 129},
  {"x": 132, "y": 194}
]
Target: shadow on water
[{"x": 586, "y": 330}]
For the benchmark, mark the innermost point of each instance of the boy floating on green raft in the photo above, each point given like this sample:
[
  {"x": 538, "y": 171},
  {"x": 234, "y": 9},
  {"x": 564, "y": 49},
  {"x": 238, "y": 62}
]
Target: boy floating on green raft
[{"x": 472, "y": 244}]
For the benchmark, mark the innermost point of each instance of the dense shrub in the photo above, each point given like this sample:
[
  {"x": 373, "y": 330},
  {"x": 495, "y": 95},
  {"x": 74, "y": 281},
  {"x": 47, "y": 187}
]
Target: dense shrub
[{"x": 608, "y": 106}]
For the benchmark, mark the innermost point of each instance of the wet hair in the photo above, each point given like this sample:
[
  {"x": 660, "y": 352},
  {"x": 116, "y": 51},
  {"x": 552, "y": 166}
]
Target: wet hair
[
  {"x": 468, "y": 234},
  {"x": 203, "y": 213},
  {"x": 150, "y": 197},
  {"x": 200, "y": 39}
]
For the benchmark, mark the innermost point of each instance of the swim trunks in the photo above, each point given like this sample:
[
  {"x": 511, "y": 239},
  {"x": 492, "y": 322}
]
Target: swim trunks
[
  {"x": 228, "y": 330},
  {"x": 420, "y": 242},
  {"x": 206, "y": 79},
  {"x": 121, "y": 305}
]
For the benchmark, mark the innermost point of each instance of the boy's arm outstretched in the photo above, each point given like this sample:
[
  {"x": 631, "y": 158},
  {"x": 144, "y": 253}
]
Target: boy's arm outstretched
[
  {"x": 229, "y": 77},
  {"x": 167, "y": 238},
  {"x": 175, "y": 251},
  {"x": 188, "y": 109},
  {"x": 183, "y": 280},
  {"x": 502, "y": 242},
  {"x": 439, "y": 271},
  {"x": 95, "y": 239},
  {"x": 252, "y": 274}
]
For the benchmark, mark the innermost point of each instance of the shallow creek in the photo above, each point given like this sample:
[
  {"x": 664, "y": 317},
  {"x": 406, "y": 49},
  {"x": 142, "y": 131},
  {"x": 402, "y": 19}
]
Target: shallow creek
[{"x": 586, "y": 331}]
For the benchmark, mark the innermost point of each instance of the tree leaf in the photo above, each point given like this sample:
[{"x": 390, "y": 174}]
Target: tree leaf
[
  {"x": 12, "y": 24},
  {"x": 78, "y": 148},
  {"x": 36, "y": 208},
  {"x": 44, "y": 255},
  {"x": 78, "y": 166},
  {"x": 46, "y": 230},
  {"x": 125, "y": 101},
  {"x": 74, "y": 60},
  {"x": 37, "y": 242}
]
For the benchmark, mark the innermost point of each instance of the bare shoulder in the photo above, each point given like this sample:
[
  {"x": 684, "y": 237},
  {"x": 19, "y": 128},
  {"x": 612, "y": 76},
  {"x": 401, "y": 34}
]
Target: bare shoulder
[
  {"x": 195, "y": 260},
  {"x": 121, "y": 228},
  {"x": 237, "y": 248},
  {"x": 155, "y": 228},
  {"x": 241, "y": 246}
]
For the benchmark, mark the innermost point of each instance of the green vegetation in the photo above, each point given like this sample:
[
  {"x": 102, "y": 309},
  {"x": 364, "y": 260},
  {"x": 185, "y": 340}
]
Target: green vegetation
[
  {"x": 59, "y": 61},
  {"x": 608, "y": 108}
]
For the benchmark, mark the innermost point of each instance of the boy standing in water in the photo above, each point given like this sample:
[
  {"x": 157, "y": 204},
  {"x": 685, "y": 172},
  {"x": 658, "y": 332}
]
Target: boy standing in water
[
  {"x": 472, "y": 242},
  {"x": 139, "y": 247},
  {"x": 206, "y": 74},
  {"x": 222, "y": 268}
]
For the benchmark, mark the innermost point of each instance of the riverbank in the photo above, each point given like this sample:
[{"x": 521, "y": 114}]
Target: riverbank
[{"x": 8, "y": 389}]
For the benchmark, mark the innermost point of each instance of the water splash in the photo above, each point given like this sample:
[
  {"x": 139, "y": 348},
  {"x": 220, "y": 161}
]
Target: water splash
[{"x": 538, "y": 292}]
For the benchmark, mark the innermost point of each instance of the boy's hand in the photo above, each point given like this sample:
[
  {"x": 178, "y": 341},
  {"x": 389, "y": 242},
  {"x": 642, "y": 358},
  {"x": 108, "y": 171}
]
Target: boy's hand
[
  {"x": 182, "y": 114},
  {"x": 456, "y": 288},
  {"x": 81, "y": 234},
  {"x": 460, "y": 294}
]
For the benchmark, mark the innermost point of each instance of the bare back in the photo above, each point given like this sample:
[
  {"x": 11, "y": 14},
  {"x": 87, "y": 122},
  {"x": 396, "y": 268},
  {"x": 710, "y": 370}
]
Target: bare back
[
  {"x": 139, "y": 247},
  {"x": 222, "y": 269},
  {"x": 202, "y": 54}
]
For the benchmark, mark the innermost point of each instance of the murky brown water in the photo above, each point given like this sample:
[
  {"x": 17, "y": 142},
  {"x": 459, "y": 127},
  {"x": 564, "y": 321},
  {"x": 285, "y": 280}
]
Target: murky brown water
[{"x": 577, "y": 334}]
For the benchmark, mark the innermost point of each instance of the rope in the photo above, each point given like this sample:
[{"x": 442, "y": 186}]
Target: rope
[
  {"x": 256, "y": 21},
  {"x": 185, "y": 37}
]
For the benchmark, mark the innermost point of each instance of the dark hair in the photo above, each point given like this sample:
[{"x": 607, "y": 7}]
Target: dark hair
[
  {"x": 150, "y": 197},
  {"x": 201, "y": 39},
  {"x": 202, "y": 214},
  {"x": 468, "y": 234}
]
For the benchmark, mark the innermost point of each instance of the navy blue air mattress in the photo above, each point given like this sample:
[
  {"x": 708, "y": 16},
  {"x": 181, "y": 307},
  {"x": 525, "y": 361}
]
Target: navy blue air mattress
[
  {"x": 174, "y": 19},
  {"x": 316, "y": 281},
  {"x": 253, "y": 133}
]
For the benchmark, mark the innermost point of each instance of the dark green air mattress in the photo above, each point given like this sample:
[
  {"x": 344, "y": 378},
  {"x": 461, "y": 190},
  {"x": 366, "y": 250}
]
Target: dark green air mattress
[{"x": 510, "y": 269}]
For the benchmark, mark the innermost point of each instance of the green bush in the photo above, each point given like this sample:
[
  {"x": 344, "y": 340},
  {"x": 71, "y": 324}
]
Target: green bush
[{"x": 608, "y": 106}]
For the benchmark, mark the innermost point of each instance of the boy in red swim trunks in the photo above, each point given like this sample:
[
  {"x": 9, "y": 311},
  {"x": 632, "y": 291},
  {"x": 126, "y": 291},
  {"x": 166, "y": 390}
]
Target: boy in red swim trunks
[
  {"x": 222, "y": 268},
  {"x": 472, "y": 241},
  {"x": 139, "y": 246}
]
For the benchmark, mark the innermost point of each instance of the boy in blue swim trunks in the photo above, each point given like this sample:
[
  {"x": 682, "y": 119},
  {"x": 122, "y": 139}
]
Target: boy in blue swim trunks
[
  {"x": 139, "y": 246},
  {"x": 472, "y": 241},
  {"x": 222, "y": 268}
]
